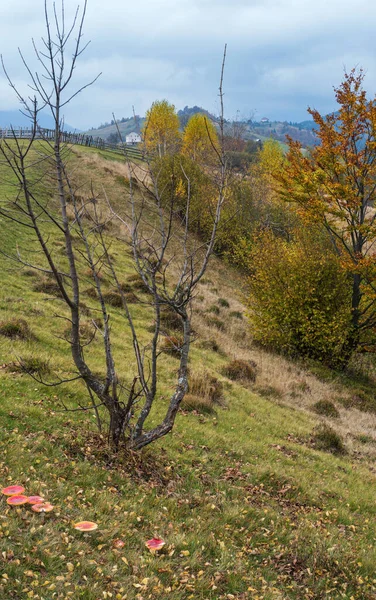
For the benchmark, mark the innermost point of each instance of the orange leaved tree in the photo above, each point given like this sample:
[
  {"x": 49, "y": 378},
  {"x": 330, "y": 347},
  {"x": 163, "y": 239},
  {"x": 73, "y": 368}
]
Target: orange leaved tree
[{"x": 336, "y": 185}]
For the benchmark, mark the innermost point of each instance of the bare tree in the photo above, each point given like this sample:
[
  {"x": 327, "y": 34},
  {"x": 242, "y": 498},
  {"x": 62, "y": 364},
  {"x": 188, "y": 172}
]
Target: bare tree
[{"x": 169, "y": 263}]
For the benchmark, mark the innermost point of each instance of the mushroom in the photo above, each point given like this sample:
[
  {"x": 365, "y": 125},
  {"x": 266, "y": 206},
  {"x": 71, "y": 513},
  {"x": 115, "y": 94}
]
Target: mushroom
[
  {"x": 155, "y": 544},
  {"x": 118, "y": 544},
  {"x": 35, "y": 500},
  {"x": 12, "y": 490},
  {"x": 17, "y": 500},
  {"x": 42, "y": 507},
  {"x": 85, "y": 526}
]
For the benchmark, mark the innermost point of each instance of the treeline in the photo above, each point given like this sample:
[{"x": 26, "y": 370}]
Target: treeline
[{"x": 301, "y": 227}]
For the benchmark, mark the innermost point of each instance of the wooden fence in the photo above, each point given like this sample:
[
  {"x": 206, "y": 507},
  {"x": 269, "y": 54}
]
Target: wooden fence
[{"x": 81, "y": 139}]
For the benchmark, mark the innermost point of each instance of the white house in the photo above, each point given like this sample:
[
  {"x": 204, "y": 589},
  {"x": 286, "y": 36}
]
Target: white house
[{"x": 133, "y": 138}]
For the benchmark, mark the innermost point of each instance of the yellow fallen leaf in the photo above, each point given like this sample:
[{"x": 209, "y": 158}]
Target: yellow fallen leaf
[{"x": 185, "y": 553}]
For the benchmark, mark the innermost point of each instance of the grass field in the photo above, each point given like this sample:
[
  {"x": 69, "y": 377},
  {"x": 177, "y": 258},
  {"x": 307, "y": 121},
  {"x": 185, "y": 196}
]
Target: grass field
[{"x": 247, "y": 503}]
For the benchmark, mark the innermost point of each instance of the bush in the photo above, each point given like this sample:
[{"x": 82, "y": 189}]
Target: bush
[
  {"x": 239, "y": 160},
  {"x": 223, "y": 302},
  {"x": 299, "y": 295},
  {"x": 326, "y": 408},
  {"x": 327, "y": 439},
  {"x": 241, "y": 370},
  {"x": 15, "y": 329}
]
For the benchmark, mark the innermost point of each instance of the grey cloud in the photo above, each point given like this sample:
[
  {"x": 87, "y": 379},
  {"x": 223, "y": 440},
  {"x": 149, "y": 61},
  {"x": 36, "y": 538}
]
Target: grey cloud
[{"x": 282, "y": 54}]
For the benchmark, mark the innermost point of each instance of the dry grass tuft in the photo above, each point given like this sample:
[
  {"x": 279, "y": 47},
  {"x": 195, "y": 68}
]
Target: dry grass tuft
[
  {"x": 205, "y": 385},
  {"x": 215, "y": 322},
  {"x": 241, "y": 370},
  {"x": 172, "y": 345},
  {"x": 236, "y": 314},
  {"x": 223, "y": 302},
  {"x": 138, "y": 283},
  {"x": 197, "y": 404},
  {"x": 211, "y": 344},
  {"x": 327, "y": 439},
  {"x": 113, "y": 298},
  {"x": 170, "y": 319},
  {"x": 326, "y": 408},
  {"x": 214, "y": 309},
  {"x": 47, "y": 286},
  {"x": 15, "y": 329},
  {"x": 90, "y": 273},
  {"x": 34, "y": 365},
  {"x": 131, "y": 298}
]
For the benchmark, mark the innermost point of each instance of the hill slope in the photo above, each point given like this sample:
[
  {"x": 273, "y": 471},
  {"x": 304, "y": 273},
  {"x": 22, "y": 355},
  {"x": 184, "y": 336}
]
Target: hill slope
[{"x": 248, "y": 505}]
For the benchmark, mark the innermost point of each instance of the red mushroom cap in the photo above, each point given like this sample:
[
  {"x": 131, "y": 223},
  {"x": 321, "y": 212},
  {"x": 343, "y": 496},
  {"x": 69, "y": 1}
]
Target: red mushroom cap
[
  {"x": 85, "y": 526},
  {"x": 42, "y": 507},
  {"x": 118, "y": 544},
  {"x": 12, "y": 490},
  {"x": 155, "y": 544},
  {"x": 17, "y": 500},
  {"x": 35, "y": 500}
]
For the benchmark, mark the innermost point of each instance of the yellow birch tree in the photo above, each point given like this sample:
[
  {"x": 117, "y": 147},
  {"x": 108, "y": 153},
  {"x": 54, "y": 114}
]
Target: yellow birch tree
[{"x": 161, "y": 131}]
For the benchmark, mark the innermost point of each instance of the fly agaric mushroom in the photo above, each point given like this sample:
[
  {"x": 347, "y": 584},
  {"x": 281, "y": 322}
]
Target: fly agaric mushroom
[
  {"x": 118, "y": 544},
  {"x": 155, "y": 544},
  {"x": 17, "y": 500},
  {"x": 42, "y": 507},
  {"x": 85, "y": 526},
  {"x": 35, "y": 500},
  {"x": 12, "y": 490}
]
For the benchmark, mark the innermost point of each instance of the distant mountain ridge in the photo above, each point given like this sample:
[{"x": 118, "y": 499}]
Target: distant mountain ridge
[
  {"x": 16, "y": 119},
  {"x": 303, "y": 132}
]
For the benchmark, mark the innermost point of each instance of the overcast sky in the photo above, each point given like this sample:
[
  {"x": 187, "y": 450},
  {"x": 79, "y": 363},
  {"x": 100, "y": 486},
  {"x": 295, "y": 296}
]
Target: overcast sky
[{"x": 283, "y": 55}]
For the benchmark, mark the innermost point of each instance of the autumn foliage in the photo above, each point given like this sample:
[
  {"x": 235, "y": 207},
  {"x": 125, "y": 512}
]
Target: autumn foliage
[
  {"x": 161, "y": 131},
  {"x": 335, "y": 186},
  {"x": 299, "y": 295}
]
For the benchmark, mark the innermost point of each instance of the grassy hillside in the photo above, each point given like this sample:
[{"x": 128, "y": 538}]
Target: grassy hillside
[
  {"x": 247, "y": 502},
  {"x": 124, "y": 128}
]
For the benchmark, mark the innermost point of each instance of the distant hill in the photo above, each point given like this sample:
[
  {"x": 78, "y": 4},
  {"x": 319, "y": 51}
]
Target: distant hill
[
  {"x": 108, "y": 131},
  {"x": 303, "y": 132},
  {"x": 16, "y": 119},
  {"x": 188, "y": 112}
]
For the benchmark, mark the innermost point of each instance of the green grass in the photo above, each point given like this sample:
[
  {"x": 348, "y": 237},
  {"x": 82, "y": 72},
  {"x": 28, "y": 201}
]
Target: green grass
[{"x": 247, "y": 506}]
